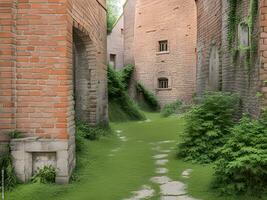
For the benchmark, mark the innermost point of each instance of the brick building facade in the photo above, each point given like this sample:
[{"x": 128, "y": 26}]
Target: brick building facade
[
  {"x": 160, "y": 40},
  {"x": 225, "y": 66},
  {"x": 53, "y": 67},
  {"x": 115, "y": 44}
]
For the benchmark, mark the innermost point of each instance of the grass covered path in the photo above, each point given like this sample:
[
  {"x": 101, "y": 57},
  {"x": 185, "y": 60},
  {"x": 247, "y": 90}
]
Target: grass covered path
[{"x": 116, "y": 165}]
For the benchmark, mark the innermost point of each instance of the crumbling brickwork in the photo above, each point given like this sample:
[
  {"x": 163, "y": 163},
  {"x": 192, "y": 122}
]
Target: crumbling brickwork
[
  {"x": 115, "y": 44},
  {"x": 38, "y": 88},
  {"x": 263, "y": 50},
  {"x": 230, "y": 66}
]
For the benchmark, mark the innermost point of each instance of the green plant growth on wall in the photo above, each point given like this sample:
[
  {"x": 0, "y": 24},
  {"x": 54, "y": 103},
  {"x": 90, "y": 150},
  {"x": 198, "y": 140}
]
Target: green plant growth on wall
[
  {"x": 118, "y": 95},
  {"x": 10, "y": 179},
  {"x": 149, "y": 97},
  {"x": 234, "y": 20}
]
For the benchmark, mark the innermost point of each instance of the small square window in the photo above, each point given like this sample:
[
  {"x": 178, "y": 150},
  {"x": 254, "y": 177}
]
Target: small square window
[
  {"x": 163, "y": 83},
  {"x": 163, "y": 45}
]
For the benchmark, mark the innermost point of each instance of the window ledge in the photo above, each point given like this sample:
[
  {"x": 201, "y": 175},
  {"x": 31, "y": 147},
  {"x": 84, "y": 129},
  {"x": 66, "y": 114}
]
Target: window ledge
[
  {"x": 163, "y": 89},
  {"x": 162, "y": 52}
]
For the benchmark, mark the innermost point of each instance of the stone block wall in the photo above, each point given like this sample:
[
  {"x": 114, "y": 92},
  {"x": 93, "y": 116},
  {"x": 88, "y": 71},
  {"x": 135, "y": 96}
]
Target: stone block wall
[{"x": 37, "y": 79}]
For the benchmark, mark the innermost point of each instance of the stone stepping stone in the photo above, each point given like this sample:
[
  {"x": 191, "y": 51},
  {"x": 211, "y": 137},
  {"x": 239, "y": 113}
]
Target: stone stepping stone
[
  {"x": 177, "y": 198},
  {"x": 162, "y": 170},
  {"x": 187, "y": 173},
  {"x": 118, "y": 131},
  {"x": 115, "y": 150},
  {"x": 166, "y": 142},
  {"x": 162, "y": 162},
  {"x": 123, "y": 138},
  {"x": 174, "y": 188},
  {"x": 148, "y": 121},
  {"x": 160, "y": 156},
  {"x": 164, "y": 151},
  {"x": 144, "y": 193},
  {"x": 160, "y": 179}
]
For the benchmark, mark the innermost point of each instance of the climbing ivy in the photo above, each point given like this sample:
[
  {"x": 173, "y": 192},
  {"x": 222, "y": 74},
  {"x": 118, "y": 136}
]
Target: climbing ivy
[{"x": 234, "y": 18}]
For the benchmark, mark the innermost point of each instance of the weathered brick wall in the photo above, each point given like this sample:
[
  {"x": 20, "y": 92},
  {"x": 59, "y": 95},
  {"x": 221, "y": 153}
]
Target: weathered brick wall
[
  {"x": 37, "y": 79},
  {"x": 208, "y": 36},
  {"x": 174, "y": 21},
  {"x": 7, "y": 67},
  {"x": 263, "y": 50},
  {"x": 129, "y": 29},
  {"x": 233, "y": 74},
  {"x": 115, "y": 43}
]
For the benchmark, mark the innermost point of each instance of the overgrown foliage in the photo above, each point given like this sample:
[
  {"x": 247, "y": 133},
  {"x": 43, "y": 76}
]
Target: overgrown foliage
[
  {"x": 243, "y": 159},
  {"x": 46, "y": 175},
  {"x": 118, "y": 94},
  {"x": 126, "y": 75},
  {"x": 234, "y": 19},
  {"x": 149, "y": 97},
  {"x": 208, "y": 126},
  {"x": 177, "y": 107},
  {"x": 15, "y": 134},
  {"x": 88, "y": 132},
  {"x": 10, "y": 179},
  {"x": 112, "y": 13}
]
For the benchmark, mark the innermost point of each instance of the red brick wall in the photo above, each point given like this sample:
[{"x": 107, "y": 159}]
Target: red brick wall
[
  {"x": 36, "y": 74},
  {"x": 263, "y": 50},
  {"x": 174, "y": 21},
  {"x": 7, "y": 66}
]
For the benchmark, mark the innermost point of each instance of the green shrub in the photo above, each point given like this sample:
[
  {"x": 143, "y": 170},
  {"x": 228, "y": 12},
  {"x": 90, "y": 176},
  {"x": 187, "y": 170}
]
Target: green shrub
[
  {"x": 242, "y": 166},
  {"x": 171, "y": 108},
  {"x": 88, "y": 132},
  {"x": 45, "y": 175},
  {"x": 15, "y": 134},
  {"x": 10, "y": 179},
  {"x": 149, "y": 97},
  {"x": 208, "y": 125},
  {"x": 126, "y": 75},
  {"x": 118, "y": 94}
]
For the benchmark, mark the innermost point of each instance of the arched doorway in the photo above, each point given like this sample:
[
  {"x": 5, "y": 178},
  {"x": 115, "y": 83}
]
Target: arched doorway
[{"x": 82, "y": 76}]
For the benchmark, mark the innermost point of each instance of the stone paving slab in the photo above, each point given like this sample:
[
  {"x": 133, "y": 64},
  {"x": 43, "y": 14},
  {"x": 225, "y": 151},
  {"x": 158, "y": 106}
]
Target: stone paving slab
[
  {"x": 177, "y": 198},
  {"x": 174, "y": 188},
  {"x": 162, "y": 170},
  {"x": 144, "y": 193},
  {"x": 162, "y": 162},
  {"x": 160, "y": 156},
  {"x": 160, "y": 179}
]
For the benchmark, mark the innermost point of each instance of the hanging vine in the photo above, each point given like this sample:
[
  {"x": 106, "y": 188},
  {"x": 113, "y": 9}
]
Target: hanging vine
[{"x": 234, "y": 19}]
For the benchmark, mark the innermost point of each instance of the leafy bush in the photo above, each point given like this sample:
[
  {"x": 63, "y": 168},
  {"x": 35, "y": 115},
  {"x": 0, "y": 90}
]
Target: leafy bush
[
  {"x": 45, "y": 175},
  {"x": 208, "y": 126},
  {"x": 149, "y": 97},
  {"x": 15, "y": 134},
  {"x": 243, "y": 159},
  {"x": 10, "y": 179},
  {"x": 90, "y": 133},
  {"x": 118, "y": 94},
  {"x": 171, "y": 108}
]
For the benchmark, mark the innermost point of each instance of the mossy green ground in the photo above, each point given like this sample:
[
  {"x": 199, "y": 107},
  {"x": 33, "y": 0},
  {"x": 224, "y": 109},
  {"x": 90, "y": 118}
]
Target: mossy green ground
[{"x": 102, "y": 176}]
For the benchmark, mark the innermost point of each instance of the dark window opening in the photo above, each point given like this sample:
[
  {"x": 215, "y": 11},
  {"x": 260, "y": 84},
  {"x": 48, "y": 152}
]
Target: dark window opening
[
  {"x": 163, "y": 45},
  {"x": 163, "y": 83},
  {"x": 112, "y": 60}
]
